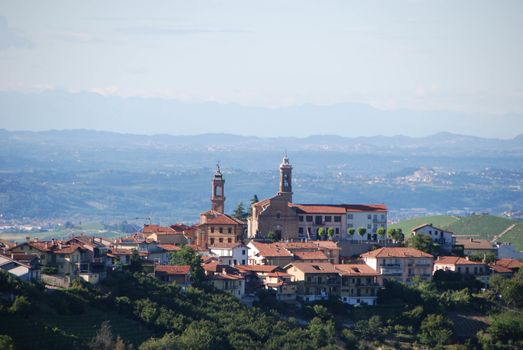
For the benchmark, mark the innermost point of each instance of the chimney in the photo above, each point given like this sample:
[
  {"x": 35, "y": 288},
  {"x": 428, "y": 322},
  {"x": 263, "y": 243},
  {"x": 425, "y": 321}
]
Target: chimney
[{"x": 471, "y": 239}]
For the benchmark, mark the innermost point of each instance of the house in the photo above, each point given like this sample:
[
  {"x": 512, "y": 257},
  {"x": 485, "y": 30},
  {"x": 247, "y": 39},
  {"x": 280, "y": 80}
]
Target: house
[
  {"x": 164, "y": 235},
  {"x": 359, "y": 284},
  {"x": 311, "y": 257},
  {"x": 180, "y": 274},
  {"x": 329, "y": 248},
  {"x": 463, "y": 266},
  {"x": 400, "y": 263},
  {"x": 444, "y": 238},
  {"x": 506, "y": 267},
  {"x": 230, "y": 253},
  {"x": 476, "y": 247},
  {"x": 225, "y": 278},
  {"x": 270, "y": 277},
  {"x": 315, "y": 281},
  {"x": 24, "y": 266},
  {"x": 268, "y": 254}
]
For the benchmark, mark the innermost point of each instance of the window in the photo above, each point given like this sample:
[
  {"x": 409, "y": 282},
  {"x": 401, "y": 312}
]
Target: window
[
  {"x": 369, "y": 226},
  {"x": 318, "y": 219},
  {"x": 229, "y": 230},
  {"x": 383, "y": 217},
  {"x": 220, "y": 229},
  {"x": 350, "y": 225},
  {"x": 229, "y": 240},
  {"x": 328, "y": 218},
  {"x": 350, "y": 216},
  {"x": 243, "y": 251},
  {"x": 300, "y": 230},
  {"x": 300, "y": 218},
  {"x": 212, "y": 229},
  {"x": 278, "y": 215},
  {"x": 309, "y": 279},
  {"x": 337, "y": 230},
  {"x": 212, "y": 241},
  {"x": 243, "y": 262},
  {"x": 308, "y": 218},
  {"x": 337, "y": 219},
  {"x": 221, "y": 240},
  {"x": 375, "y": 217},
  {"x": 369, "y": 216}
]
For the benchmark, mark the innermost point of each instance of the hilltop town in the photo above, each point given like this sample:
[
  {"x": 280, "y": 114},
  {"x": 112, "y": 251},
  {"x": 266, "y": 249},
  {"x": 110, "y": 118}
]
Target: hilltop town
[{"x": 296, "y": 254}]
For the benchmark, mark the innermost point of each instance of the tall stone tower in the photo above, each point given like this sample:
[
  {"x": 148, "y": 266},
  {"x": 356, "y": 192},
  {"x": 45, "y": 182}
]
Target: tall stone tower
[
  {"x": 218, "y": 196},
  {"x": 285, "y": 179}
]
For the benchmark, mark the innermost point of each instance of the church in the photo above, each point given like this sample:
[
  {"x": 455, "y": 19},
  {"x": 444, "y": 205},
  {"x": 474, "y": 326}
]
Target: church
[{"x": 290, "y": 221}]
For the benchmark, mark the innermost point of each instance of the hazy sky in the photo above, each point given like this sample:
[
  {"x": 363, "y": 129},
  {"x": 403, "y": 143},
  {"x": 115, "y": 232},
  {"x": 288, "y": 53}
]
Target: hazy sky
[{"x": 456, "y": 56}]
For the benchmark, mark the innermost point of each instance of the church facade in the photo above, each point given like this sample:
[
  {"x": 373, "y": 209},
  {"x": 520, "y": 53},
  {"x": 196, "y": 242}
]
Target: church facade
[{"x": 290, "y": 221}]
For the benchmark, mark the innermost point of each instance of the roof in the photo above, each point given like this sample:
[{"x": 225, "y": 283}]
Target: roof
[
  {"x": 278, "y": 274},
  {"x": 315, "y": 255},
  {"x": 271, "y": 249},
  {"x": 225, "y": 276},
  {"x": 157, "y": 229},
  {"x": 313, "y": 267},
  {"x": 22, "y": 257},
  {"x": 396, "y": 252},
  {"x": 213, "y": 217},
  {"x": 258, "y": 268},
  {"x": 172, "y": 269},
  {"x": 319, "y": 209},
  {"x": 455, "y": 260},
  {"x": 428, "y": 224},
  {"x": 365, "y": 207},
  {"x": 356, "y": 270},
  {"x": 509, "y": 263},
  {"x": 500, "y": 269},
  {"x": 169, "y": 247},
  {"x": 471, "y": 243},
  {"x": 180, "y": 227},
  {"x": 224, "y": 245}
]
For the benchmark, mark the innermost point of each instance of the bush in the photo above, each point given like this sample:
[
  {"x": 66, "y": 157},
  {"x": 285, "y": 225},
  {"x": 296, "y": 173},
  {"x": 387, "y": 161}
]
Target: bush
[
  {"x": 435, "y": 330},
  {"x": 49, "y": 270},
  {"x": 21, "y": 306},
  {"x": 6, "y": 342}
]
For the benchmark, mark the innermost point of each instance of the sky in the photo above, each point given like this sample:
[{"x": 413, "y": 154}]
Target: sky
[{"x": 457, "y": 58}]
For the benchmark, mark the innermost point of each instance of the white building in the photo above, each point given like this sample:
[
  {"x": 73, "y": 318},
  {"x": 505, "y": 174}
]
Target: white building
[
  {"x": 230, "y": 253},
  {"x": 371, "y": 217},
  {"x": 438, "y": 235}
]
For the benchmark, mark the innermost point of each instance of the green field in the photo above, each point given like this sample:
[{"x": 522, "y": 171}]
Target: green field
[{"x": 480, "y": 226}]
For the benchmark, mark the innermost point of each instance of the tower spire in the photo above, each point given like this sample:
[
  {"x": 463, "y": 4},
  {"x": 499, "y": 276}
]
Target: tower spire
[
  {"x": 286, "y": 178},
  {"x": 218, "y": 189}
]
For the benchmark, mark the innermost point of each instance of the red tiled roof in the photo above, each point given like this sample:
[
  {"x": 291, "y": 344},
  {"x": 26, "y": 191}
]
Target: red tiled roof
[
  {"x": 169, "y": 247},
  {"x": 396, "y": 252},
  {"x": 271, "y": 249},
  {"x": 278, "y": 274},
  {"x": 213, "y": 217},
  {"x": 180, "y": 227},
  {"x": 157, "y": 229},
  {"x": 172, "y": 269},
  {"x": 258, "y": 268},
  {"x": 316, "y": 255},
  {"x": 509, "y": 263},
  {"x": 455, "y": 260},
  {"x": 222, "y": 276},
  {"x": 356, "y": 270},
  {"x": 313, "y": 267},
  {"x": 470, "y": 243},
  {"x": 365, "y": 207},
  {"x": 501, "y": 269},
  {"x": 310, "y": 245},
  {"x": 224, "y": 245},
  {"x": 320, "y": 209}
]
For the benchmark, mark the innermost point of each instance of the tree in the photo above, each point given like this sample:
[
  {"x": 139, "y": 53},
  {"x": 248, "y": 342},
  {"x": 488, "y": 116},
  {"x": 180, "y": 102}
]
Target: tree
[
  {"x": 381, "y": 231},
  {"x": 362, "y": 231},
  {"x": 135, "y": 262},
  {"x": 6, "y": 342},
  {"x": 20, "y": 306},
  {"x": 239, "y": 213},
  {"x": 435, "y": 331},
  {"x": 506, "y": 326},
  {"x": 187, "y": 256},
  {"x": 423, "y": 243},
  {"x": 322, "y": 232},
  {"x": 254, "y": 200},
  {"x": 330, "y": 232},
  {"x": 391, "y": 233},
  {"x": 272, "y": 236},
  {"x": 103, "y": 340},
  {"x": 351, "y": 231}
]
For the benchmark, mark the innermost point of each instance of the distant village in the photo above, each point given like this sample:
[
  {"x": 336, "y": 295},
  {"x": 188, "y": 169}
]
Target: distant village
[{"x": 299, "y": 252}]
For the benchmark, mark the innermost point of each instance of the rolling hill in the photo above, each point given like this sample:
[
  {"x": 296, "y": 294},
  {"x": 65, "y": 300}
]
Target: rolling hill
[{"x": 480, "y": 226}]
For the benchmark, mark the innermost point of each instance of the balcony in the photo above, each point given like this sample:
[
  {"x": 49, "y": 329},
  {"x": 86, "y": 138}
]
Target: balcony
[{"x": 391, "y": 271}]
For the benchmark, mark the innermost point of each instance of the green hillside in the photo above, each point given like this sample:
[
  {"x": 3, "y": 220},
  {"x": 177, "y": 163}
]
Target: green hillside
[
  {"x": 438, "y": 220},
  {"x": 481, "y": 226}
]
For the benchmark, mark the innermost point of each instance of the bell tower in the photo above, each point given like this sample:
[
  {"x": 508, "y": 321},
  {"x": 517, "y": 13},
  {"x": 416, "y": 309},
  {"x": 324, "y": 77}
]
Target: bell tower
[
  {"x": 217, "y": 196},
  {"x": 286, "y": 179}
]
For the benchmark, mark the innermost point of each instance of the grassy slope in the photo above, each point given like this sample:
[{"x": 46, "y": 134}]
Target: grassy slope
[{"x": 485, "y": 226}]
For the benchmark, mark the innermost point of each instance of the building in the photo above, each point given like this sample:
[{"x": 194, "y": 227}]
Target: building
[
  {"x": 180, "y": 274},
  {"x": 359, "y": 284},
  {"x": 230, "y": 253},
  {"x": 290, "y": 221},
  {"x": 24, "y": 266},
  {"x": 400, "y": 264},
  {"x": 444, "y": 238},
  {"x": 462, "y": 266},
  {"x": 476, "y": 247},
  {"x": 506, "y": 267},
  {"x": 316, "y": 281},
  {"x": 268, "y": 254},
  {"x": 329, "y": 248},
  {"x": 164, "y": 235},
  {"x": 215, "y": 226},
  {"x": 225, "y": 278}
]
